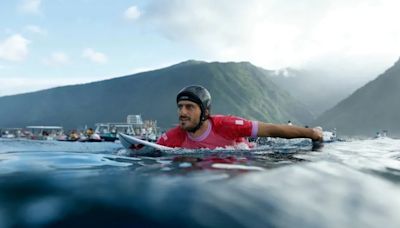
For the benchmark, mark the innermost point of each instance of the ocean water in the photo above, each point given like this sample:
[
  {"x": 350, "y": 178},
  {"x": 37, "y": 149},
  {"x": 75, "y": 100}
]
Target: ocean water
[{"x": 282, "y": 184}]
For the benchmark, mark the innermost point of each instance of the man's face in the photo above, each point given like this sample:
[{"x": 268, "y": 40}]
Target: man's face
[{"x": 189, "y": 114}]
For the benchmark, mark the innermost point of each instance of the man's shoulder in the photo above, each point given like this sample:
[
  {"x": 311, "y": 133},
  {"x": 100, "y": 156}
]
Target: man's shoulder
[
  {"x": 172, "y": 138},
  {"x": 231, "y": 127},
  {"x": 225, "y": 119},
  {"x": 175, "y": 133},
  {"x": 219, "y": 118}
]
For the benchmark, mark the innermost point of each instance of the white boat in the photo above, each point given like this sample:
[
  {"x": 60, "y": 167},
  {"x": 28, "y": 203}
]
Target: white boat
[
  {"x": 109, "y": 131},
  {"x": 329, "y": 136},
  {"x": 134, "y": 126},
  {"x": 10, "y": 133},
  {"x": 382, "y": 134},
  {"x": 45, "y": 132}
]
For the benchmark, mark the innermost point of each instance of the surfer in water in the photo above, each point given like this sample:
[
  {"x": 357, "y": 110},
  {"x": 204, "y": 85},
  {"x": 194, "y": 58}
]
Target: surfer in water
[{"x": 199, "y": 129}]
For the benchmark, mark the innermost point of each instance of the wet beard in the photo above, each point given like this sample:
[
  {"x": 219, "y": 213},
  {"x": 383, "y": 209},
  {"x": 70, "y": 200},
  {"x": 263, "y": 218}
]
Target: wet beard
[
  {"x": 193, "y": 129},
  {"x": 197, "y": 127}
]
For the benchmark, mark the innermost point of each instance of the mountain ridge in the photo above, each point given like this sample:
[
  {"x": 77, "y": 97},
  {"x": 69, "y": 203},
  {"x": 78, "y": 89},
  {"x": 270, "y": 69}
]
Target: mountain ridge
[
  {"x": 237, "y": 88},
  {"x": 371, "y": 108}
]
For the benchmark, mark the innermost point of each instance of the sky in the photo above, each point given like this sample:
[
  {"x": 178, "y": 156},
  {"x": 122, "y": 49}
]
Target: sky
[{"x": 48, "y": 43}]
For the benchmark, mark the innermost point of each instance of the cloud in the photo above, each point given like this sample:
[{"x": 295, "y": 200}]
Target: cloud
[
  {"x": 277, "y": 34},
  {"x": 94, "y": 56},
  {"x": 35, "y": 29},
  {"x": 14, "y": 48},
  {"x": 251, "y": 30},
  {"x": 132, "y": 13},
  {"x": 30, "y": 6},
  {"x": 57, "y": 59}
]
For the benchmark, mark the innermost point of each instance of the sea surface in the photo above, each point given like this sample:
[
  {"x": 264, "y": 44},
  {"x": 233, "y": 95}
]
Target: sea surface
[{"x": 283, "y": 183}]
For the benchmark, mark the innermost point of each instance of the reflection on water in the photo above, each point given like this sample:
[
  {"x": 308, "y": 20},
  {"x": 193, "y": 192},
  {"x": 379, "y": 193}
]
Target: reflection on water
[{"x": 347, "y": 184}]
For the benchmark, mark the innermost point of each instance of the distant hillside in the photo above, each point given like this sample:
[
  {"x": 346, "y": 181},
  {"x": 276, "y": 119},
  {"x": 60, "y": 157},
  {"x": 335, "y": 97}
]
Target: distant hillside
[
  {"x": 318, "y": 90},
  {"x": 236, "y": 88},
  {"x": 374, "y": 107}
]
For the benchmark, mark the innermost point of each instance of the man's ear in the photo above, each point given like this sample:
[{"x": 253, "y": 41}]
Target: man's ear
[{"x": 207, "y": 113}]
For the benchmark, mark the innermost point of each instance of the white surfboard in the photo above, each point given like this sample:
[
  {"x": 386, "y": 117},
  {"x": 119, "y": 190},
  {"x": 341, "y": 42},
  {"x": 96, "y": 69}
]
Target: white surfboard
[
  {"x": 133, "y": 143},
  {"x": 143, "y": 147}
]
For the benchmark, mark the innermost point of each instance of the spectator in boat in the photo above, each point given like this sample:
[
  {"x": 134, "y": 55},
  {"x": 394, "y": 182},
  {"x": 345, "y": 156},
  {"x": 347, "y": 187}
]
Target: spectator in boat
[
  {"x": 199, "y": 129},
  {"x": 95, "y": 136},
  {"x": 92, "y": 134},
  {"x": 73, "y": 135},
  {"x": 289, "y": 123},
  {"x": 89, "y": 132}
]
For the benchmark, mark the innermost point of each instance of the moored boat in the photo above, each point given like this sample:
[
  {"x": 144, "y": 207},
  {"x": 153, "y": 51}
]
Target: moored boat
[{"x": 45, "y": 132}]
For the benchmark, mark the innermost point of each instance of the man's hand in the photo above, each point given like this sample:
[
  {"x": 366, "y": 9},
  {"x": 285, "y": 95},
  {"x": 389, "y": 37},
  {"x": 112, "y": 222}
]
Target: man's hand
[
  {"x": 317, "y": 134},
  {"x": 317, "y": 139}
]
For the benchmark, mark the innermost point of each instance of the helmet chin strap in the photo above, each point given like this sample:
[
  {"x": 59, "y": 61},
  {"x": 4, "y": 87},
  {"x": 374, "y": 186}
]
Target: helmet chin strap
[
  {"x": 193, "y": 130},
  {"x": 197, "y": 127}
]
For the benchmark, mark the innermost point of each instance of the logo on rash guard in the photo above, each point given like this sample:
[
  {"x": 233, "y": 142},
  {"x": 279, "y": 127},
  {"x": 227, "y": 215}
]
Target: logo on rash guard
[
  {"x": 164, "y": 136},
  {"x": 239, "y": 122}
]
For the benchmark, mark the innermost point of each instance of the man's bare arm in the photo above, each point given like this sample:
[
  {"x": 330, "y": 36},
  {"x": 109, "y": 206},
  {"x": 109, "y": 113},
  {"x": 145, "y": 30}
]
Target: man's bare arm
[{"x": 286, "y": 131}]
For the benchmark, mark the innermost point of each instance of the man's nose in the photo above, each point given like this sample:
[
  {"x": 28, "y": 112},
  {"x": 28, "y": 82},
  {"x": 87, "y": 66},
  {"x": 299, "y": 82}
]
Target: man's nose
[{"x": 182, "y": 110}]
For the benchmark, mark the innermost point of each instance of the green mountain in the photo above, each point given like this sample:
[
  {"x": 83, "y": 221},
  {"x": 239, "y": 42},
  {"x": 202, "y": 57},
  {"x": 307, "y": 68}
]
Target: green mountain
[
  {"x": 373, "y": 107},
  {"x": 237, "y": 88}
]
